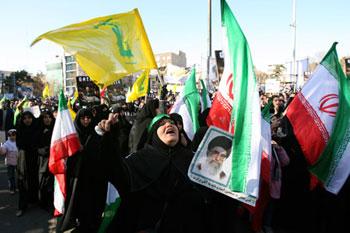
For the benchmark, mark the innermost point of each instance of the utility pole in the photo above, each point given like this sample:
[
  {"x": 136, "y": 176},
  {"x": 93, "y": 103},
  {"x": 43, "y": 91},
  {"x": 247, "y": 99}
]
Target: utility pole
[
  {"x": 209, "y": 43},
  {"x": 294, "y": 29}
]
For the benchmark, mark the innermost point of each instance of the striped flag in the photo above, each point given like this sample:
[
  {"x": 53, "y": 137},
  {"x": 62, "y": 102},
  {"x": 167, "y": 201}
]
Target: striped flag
[
  {"x": 324, "y": 103},
  {"x": 113, "y": 201},
  {"x": 187, "y": 105},
  {"x": 246, "y": 115},
  {"x": 205, "y": 99},
  {"x": 64, "y": 143}
]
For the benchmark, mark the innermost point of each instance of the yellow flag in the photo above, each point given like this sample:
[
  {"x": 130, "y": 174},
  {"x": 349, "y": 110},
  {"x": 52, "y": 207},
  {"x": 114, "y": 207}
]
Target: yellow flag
[
  {"x": 107, "y": 48},
  {"x": 140, "y": 87},
  {"x": 46, "y": 91},
  {"x": 70, "y": 109}
]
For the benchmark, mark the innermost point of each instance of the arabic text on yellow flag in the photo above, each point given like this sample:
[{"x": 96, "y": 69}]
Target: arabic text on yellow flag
[
  {"x": 140, "y": 87},
  {"x": 107, "y": 48},
  {"x": 46, "y": 91}
]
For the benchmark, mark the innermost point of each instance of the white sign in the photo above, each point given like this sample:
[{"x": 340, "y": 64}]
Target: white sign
[
  {"x": 212, "y": 163},
  {"x": 272, "y": 86},
  {"x": 35, "y": 110}
]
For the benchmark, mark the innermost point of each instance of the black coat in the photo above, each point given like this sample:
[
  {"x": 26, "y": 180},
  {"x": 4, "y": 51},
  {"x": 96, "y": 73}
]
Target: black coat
[
  {"x": 86, "y": 183},
  {"x": 27, "y": 140},
  {"x": 8, "y": 124},
  {"x": 138, "y": 132},
  {"x": 156, "y": 192}
]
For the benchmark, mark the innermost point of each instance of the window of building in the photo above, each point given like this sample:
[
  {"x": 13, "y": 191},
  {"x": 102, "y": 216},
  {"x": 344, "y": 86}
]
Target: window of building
[
  {"x": 70, "y": 67},
  {"x": 70, "y": 59},
  {"x": 70, "y": 82},
  {"x": 70, "y": 75}
]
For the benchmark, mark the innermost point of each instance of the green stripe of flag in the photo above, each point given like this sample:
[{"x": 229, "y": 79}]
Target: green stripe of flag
[
  {"x": 327, "y": 163},
  {"x": 244, "y": 87},
  {"x": 192, "y": 99}
]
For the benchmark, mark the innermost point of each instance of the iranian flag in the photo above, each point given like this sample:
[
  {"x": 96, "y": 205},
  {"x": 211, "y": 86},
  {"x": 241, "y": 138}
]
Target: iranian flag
[
  {"x": 64, "y": 143},
  {"x": 320, "y": 117},
  {"x": 221, "y": 109},
  {"x": 249, "y": 141},
  {"x": 187, "y": 105}
]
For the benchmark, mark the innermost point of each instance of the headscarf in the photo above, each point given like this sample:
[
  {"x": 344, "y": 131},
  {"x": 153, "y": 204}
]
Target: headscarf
[
  {"x": 152, "y": 137},
  {"x": 47, "y": 112},
  {"x": 27, "y": 135},
  {"x": 83, "y": 132}
]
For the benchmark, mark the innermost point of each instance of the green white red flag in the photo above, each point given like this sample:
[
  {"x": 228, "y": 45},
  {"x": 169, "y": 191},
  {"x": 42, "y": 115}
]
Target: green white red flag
[
  {"x": 64, "y": 143},
  {"x": 236, "y": 109},
  {"x": 187, "y": 105},
  {"x": 320, "y": 117}
]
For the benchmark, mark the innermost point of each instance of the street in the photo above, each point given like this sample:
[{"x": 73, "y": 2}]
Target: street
[{"x": 34, "y": 220}]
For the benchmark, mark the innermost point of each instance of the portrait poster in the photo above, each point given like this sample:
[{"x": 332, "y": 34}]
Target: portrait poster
[
  {"x": 212, "y": 163},
  {"x": 89, "y": 92}
]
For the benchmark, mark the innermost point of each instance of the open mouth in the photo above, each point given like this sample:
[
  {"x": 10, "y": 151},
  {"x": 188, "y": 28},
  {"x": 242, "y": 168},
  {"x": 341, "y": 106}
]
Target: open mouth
[{"x": 170, "y": 131}]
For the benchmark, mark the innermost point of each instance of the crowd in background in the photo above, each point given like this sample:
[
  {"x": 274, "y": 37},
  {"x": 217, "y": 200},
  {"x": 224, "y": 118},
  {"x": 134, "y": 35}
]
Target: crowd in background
[{"x": 151, "y": 175}]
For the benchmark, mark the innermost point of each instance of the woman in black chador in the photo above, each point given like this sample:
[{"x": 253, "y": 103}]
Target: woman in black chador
[
  {"x": 156, "y": 193},
  {"x": 27, "y": 166},
  {"x": 86, "y": 184},
  {"x": 46, "y": 180}
]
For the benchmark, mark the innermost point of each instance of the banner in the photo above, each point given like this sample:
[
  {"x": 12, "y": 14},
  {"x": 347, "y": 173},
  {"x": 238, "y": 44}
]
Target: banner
[
  {"x": 89, "y": 93},
  {"x": 212, "y": 164}
]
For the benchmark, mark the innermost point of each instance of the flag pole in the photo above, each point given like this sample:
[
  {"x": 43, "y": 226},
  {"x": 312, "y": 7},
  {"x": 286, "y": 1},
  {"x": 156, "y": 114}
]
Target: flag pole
[
  {"x": 294, "y": 27},
  {"x": 209, "y": 43}
]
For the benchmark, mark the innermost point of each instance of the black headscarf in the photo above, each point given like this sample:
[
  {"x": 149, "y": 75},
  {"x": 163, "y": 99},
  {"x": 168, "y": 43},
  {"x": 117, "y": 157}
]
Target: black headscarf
[
  {"x": 178, "y": 119},
  {"x": 47, "y": 112},
  {"x": 27, "y": 135},
  {"x": 143, "y": 118},
  {"x": 153, "y": 138},
  {"x": 83, "y": 132}
]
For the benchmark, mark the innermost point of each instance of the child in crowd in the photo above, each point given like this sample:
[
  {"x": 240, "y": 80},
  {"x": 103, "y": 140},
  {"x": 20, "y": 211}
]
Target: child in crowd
[{"x": 9, "y": 149}]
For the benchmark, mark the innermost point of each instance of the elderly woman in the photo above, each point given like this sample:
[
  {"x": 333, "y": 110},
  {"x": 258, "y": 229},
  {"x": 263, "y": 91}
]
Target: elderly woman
[{"x": 156, "y": 193}]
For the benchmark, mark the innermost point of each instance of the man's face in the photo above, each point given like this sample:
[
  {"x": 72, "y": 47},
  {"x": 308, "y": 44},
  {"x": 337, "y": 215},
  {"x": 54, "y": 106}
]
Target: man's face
[
  {"x": 168, "y": 132},
  {"x": 215, "y": 158},
  {"x": 276, "y": 102}
]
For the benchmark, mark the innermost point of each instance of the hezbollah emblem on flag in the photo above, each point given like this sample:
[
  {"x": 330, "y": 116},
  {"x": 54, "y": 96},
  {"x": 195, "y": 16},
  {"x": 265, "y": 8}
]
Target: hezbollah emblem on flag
[{"x": 122, "y": 44}]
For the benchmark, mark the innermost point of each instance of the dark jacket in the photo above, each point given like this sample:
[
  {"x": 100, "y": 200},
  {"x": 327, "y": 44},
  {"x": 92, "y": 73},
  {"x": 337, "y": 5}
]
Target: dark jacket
[
  {"x": 139, "y": 129},
  {"x": 8, "y": 124}
]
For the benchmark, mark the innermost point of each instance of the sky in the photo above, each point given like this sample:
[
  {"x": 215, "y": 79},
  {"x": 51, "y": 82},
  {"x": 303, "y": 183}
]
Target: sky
[{"x": 179, "y": 25}]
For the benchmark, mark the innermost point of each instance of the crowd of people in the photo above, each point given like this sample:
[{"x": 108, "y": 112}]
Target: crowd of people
[{"x": 145, "y": 153}]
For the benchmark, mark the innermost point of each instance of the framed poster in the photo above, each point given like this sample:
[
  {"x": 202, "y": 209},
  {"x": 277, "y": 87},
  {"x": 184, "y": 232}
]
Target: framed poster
[
  {"x": 212, "y": 163},
  {"x": 89, "y": 92}
]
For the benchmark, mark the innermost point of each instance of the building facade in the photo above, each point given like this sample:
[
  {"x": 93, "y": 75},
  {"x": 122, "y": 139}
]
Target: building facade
[
  {"x": 164, "y": 59},
  {"x": 54, "y": 76},
  {"x": 3, "y": 76},
  {"x": 71, "y": 71}
]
